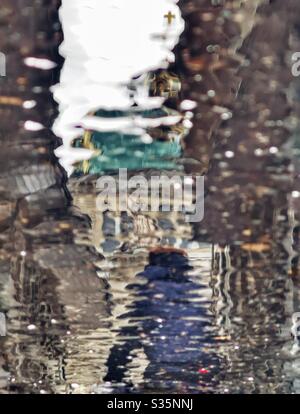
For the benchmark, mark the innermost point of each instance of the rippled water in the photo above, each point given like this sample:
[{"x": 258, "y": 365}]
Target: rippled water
[{"x": 146, "y": 302}]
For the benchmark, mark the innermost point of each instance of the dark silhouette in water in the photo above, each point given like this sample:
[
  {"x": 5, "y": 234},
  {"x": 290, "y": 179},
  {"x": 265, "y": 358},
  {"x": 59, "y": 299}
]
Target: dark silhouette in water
[{"x": 171, "y": 328}]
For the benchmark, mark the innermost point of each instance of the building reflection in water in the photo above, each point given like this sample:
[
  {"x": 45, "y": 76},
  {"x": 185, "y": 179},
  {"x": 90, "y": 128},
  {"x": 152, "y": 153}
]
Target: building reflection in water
[{"x": 146, "y": 302}]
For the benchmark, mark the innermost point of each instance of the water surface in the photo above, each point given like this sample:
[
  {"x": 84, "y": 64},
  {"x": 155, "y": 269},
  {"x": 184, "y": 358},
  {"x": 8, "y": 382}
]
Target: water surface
[{"x": 125, "y": 302}]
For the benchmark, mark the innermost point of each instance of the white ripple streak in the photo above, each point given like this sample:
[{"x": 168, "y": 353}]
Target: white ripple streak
[{"x": 106, "y": 44}]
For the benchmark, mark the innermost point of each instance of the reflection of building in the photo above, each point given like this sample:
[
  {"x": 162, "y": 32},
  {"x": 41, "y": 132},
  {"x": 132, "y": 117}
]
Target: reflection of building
[
  {"x": 112, "y": 230},
  {"x": 77, "y": 320},
  {"x": 159, "y": 147},
  {"x": 122, "y": 237}
]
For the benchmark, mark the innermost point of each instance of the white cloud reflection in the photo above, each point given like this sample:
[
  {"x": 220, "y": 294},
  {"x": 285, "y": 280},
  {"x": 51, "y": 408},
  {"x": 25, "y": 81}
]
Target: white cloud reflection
[{"x": 106, "y": 44}]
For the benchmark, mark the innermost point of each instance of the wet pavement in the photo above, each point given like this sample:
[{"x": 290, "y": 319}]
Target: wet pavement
[{"x": 111, "y": 302}]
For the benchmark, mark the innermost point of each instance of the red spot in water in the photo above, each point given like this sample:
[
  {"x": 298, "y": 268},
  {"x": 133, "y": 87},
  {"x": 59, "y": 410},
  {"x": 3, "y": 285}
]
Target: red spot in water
[{"x": 203, "y": 371}]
